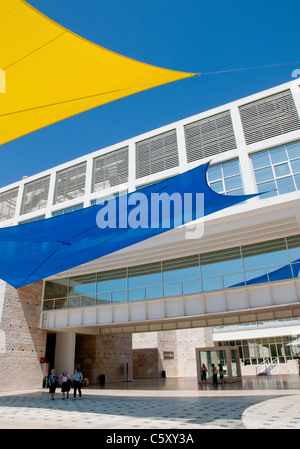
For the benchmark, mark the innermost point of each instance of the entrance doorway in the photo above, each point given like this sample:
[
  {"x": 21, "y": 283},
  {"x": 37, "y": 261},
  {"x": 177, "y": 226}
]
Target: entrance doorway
[{"x": 227, "y": 356}]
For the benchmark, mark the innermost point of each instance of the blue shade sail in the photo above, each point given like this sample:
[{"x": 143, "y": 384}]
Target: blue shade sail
[{"x": 37, "y": 250}]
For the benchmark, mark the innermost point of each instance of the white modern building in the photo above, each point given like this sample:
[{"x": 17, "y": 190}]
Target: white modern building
[{"x": 239, "y": 277}]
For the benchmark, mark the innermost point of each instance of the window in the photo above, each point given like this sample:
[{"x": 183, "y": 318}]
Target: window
[
  {"x": 35, "y": 195},
  {"x": 181, "y": 276},
  {"x": 156, "y": 154},
  {"x": 145, "y": 281},
  {"x": 70, "y": 183},
  {"x": 31, "y": 220},
  {"x": 221, "y": 269},
  {"x": 277, "y": 171},
  {"x": 269, "y": 117},
  {"x": 112, "y": 286},
  {"x": 212, "y": 135},
  {"x": 268, "y": 261},
  {"x": 110, "y": 170},
  {"x": 67, "y": 210},
  {"x": 226, "y": 178},
  {"x": 8, "y": 201}
]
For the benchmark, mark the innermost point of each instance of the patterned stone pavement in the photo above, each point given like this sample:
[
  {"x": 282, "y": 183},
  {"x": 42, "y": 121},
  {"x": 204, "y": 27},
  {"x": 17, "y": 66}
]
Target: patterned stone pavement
[{"x": 157, "y": 408}]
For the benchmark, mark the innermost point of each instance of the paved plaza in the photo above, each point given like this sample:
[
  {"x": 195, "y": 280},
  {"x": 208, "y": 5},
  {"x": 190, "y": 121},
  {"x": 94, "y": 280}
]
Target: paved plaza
[{"x": 264, "y": 403}]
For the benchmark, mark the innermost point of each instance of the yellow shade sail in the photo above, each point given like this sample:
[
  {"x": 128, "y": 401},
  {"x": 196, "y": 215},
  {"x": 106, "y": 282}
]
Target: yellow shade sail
[{"x": 49, "y": 73}]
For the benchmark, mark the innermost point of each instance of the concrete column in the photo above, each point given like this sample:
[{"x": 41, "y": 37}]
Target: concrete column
[{"x": 65, "y": 352}]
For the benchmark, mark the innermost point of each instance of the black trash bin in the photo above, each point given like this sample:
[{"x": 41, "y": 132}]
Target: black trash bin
[
  {"x": 163, "y": 374},
  {"x": 102, "y": 379}
]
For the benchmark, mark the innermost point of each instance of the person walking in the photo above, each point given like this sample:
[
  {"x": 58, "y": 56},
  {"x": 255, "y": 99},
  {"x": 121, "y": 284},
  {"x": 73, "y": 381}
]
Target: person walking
[
  {"x": 221, "y": 374},
  {"x": 214, "y": 375},
  {"x": 77, "y": 383},
  {"x": 53, "y": 383},
  {"x": 203, "y": 370},
  {"x": 65, "y": 386}
]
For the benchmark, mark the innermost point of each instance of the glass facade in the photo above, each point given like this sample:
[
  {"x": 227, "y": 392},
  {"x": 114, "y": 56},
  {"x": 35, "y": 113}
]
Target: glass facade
[
  {"x": 258, "y": 351},
  {"x": 269, "y": 261},
  {"x": 226, "y": 178},
  {"x": 277, "y": 171}
]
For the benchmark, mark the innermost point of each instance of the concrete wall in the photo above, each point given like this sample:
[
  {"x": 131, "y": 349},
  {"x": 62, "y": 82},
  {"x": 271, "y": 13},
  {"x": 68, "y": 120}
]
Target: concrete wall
[{"x": 22, "y": 342}]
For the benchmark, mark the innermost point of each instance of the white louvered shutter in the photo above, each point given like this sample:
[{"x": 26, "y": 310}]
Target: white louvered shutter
[
  {"x": 269, "y": 117},
  {"x": 110, "y": 170},
  {"x": 156, "y": 154},
  {"x": 209, "y": 136}
]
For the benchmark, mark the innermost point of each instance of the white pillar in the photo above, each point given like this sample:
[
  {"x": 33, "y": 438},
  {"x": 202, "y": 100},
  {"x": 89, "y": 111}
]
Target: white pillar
[{"x": 65, "y": 352}]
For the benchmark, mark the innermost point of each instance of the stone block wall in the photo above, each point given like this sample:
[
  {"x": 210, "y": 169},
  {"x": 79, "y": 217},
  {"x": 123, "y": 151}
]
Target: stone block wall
[
  {"x": 146, "y": 363},
  {"x": 149, "y": 348},
  {"x": 22, "y": 342},
  {"x": 110, "y": 355}
]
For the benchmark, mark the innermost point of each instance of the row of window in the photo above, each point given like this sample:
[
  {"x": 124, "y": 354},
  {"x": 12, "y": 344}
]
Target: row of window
[
  {"x": 250, "y": 264},
  {"x": 277, "y": 171},
  {"x": 260, "y": 350},
  {"x": 262, "y": 119}
]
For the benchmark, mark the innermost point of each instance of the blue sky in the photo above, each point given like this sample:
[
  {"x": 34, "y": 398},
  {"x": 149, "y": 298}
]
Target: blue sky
[{"x": 189, "y": 35}]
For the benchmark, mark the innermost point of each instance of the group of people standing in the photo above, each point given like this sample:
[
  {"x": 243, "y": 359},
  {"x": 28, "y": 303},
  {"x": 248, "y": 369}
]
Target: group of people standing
[
  {"x": 76, "y": 380},
  {"x": 215, "y": 372}
]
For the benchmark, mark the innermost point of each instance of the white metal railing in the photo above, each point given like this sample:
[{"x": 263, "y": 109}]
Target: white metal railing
[{"x": 267, "y": 365}]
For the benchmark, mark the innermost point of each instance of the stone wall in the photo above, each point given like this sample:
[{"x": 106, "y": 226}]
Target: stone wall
[
  {"x": 149, "y": 348},
  {"x": 22, "y": 342},
  {"x": 110, "y": 355},
  {"x": 146, "y": 363}
]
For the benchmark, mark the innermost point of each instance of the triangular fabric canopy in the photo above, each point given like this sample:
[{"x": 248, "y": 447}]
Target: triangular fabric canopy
[
  {"x": 34, "y": 251},
  {"x": 52, "y": 73}
]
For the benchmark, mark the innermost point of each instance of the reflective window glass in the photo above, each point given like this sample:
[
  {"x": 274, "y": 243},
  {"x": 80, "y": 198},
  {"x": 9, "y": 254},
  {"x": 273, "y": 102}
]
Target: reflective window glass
[
  {"x": 264, "y": 174},
  {"x": 226, "y": 178},
  {"x": 260, "y": 160},
  {"x": 293, "y": 150},
  {"x": 231, "y": 168},
  {"x": 297, "y": 181},
  {"x": 282, "y": 169},
  {"x": 183, "y": 269},
  {"x": 267, "y": 189},
  {"x": 286, "y": 185},
  {"x": 56, "y": 289},
  {"x": 212, "y": 283},
  {"x": 265, "y": 254},
  {"x": 283, "y": 166},
  {"x": 112, "y": 280},
  {"x": 279, "y": 273},
  {"x": 82, "y": 285},
  {"x": 278, "y": 155},
  {"x": 232, "y": 183},
  {"x": 214, "y": 173},
  {"x": 221, "y": 262},
  {"x": 217, "y": 186},
  {"x": 144, "y": 275},
  {"x": 293, "y": 244},
  {"x": 295, "y": 164}
]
